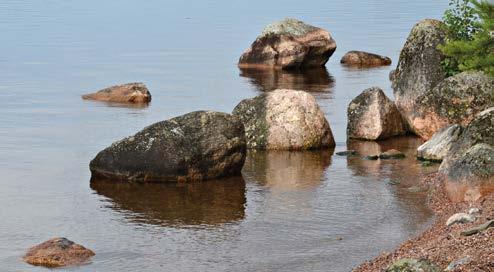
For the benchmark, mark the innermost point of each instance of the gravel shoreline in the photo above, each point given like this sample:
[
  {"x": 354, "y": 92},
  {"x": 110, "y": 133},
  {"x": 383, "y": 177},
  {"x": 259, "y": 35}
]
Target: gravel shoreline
[{"x": 441, "y": 244}]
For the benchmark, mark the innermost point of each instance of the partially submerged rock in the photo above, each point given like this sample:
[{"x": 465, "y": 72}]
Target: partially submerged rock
[
  {"x": 347, "y": 153},
  {"x": 284, "y": 120},
  {"x": 372, "y": 116},
  {"x": 392, "y": 154},
  {"x": 419, "y": 67},
  {"x": 289, "y": 44},
  {"x": 413, "y": 265},
  {"x": 58, "y": 252},
  {"x": 126, "y": 93},
  {"x": 439, "y": 145},
  {"x": 455, "y": 100},
  {"x": 196, "y": 146},
  {"x": 361, "y": 58}
]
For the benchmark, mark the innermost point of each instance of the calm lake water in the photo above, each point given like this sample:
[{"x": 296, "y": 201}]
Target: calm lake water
[{"x": 291, "y": 211}]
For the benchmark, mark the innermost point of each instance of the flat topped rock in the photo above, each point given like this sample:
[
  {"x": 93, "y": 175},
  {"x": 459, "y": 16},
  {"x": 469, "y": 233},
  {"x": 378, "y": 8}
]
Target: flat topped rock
[
  {"x": 361, "y": 58},
  {"x": 126, "y": 93},
  {"x": 288, "y": 26},
  {"x": 58, "y": 252},
  {"x": 289, "y": 44}
]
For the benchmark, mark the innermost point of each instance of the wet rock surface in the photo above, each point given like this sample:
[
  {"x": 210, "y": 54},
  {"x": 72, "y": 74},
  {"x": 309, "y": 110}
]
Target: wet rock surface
[
  {"x": 135, "y": 93},
  {"x": 439, "y": 145},
  {"x": 455, "y": 100},
  {"x": 372, "y": 116},
  {"x": 58, "y": 252},
  {"x": 391, "y": 154},
  {"x": 289, "y": 43},
  {"x": 196, "y": 146},
  {"x": 284, "y": 120},
  {"x": 364, "y": 59},
  {"x": 419, "y": 67}
]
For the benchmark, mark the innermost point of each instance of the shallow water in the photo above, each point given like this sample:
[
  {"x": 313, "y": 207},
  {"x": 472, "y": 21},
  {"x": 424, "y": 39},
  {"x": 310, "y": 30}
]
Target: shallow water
[{"x": 291, "y": 211}]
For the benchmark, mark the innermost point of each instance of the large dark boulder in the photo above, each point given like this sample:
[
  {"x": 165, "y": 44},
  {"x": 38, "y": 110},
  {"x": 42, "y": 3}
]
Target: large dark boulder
[
  {"x": 289, "y": 44},
  {"x": 372, "y": 116},
  {"x": 479, "y": 131},
  {"x": 196, "y": 146},
  {"x": 284, "y": 120},
  {"x": 419, "y": 66},
  {"x": 136, "y": 93},
  {"x": 455, "y": 100}
]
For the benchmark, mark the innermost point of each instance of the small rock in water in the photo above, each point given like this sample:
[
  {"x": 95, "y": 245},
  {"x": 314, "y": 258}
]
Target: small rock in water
[
  {"x": 455, "y": 264},
  {"x": 127, "y": 93},
  {"x": 347, "y": 153},
  {"x": 460, "y": 218},
  {"x": 58, "y": 252},
  {"x": 413, "y": 265},
  {"x": 371, "y": 157},
  {"x": 392, "y": 154},
  {"x": 394, "y": 182},
  {"x": 361, "y": 58}
]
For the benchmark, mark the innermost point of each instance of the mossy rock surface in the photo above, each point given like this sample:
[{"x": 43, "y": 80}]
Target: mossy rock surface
[{"x": 413, "y": 265}]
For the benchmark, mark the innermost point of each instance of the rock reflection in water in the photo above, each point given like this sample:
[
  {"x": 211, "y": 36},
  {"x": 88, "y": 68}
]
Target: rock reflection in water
[
  {"x": 209, "y": 202},
  {"x": 287, "y": 170},
  {"x": 312, "y": 80},
  {"x": 407, "y": 171}
]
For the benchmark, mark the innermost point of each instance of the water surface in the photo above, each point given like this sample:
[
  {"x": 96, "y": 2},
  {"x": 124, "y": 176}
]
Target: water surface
[{"x": 291, "y": 211}]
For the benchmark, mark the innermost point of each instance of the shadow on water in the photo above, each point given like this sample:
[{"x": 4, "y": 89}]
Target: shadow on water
[
  {"x": 203, "y": 203},
  {"x": 406, "y": 171},
  {"x": 287, "y": 170},
  {"x": 313, "y": 80}
]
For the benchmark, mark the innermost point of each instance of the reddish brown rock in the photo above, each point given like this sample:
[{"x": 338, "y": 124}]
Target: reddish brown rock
[
  {"x": 361, "y": 58},
  {"x": 372, "y": 116},
  {"x": 58, "y": 252},
  {"x": 289, "y": 44},
  {"x": 127, "y": 93}
]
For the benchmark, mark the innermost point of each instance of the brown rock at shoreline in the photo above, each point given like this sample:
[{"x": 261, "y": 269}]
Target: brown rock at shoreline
[
  {"x": 58, "y": 252},
  {"x": 136, "y": 93},
  {"x": 365, "y": 59},
  {"x": 289, "y": 44},
  {"x": 372, "y": 116}
]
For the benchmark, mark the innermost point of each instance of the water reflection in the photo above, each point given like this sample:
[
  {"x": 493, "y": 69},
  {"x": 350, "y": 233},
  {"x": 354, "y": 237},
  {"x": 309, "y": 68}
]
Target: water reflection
[
  {"x": 210, "y": 202},
  {"x": 407, "y": 171},
  {"x": 287, "y": 170},
  {"x": 313, "y": 80}
]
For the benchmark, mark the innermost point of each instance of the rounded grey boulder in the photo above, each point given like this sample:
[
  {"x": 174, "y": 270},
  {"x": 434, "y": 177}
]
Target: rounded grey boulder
[
  {"x": 419, "y": 66},
  {"x": 372, "y": 116},
  {"x": 196, "y": 146},
  {"x": 439, "y": 145}
]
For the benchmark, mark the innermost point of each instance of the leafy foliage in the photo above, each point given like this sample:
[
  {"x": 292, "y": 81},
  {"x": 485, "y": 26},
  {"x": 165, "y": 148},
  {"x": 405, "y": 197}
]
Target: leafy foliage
[{"x": 470, "y": 44}]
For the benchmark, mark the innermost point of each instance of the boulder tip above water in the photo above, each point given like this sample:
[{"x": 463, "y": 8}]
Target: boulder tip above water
[
  {"x": 196, "y": 146},
  {"x": 136, "y": 93},
  {"x": 439, "y": 145},
  {"x": 364, "y": 59},
  {"x": 455, "y": 100},
  {"x": 284, "y": 120},
  {"x": 372, "y": 116},
  {"x": 419, "y": 67},
  {"x": 58, "y": 252},
  {"x": 287, "y": 44}
]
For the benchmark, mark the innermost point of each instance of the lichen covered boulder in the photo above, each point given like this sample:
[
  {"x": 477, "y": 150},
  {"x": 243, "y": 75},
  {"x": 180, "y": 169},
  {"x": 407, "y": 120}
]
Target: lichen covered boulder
[
  {"x": 476, "y": 165},
  {"x": 289, "y": 44},
  {"x": 361, "y": 58},
  {"x": 419, "y": 66},
  {"x": 372, "y": 116},
  {"x": 413, "y": 265},
  {"x": 196, "y": 146},
  {"x": 284, "y": 120},
  {"x": 136, "y": 93},
  {"x": 58, "y": 252},
  {"x": 439, "y": 145},
  {"x": 479, "y": 131},
  {"x": 455, "y": 100}
]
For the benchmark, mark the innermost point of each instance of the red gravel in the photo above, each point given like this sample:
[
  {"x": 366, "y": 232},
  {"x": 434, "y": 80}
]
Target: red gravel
[{"x": 442, "y": 244}]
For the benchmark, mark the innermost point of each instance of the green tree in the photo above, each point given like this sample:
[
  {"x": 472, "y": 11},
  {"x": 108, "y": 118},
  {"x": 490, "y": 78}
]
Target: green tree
[{"x": 470, "y": 44}]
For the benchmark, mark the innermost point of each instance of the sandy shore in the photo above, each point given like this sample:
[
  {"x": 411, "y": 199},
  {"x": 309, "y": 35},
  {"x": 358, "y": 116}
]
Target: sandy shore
[{"x": 442, "y": 244}]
